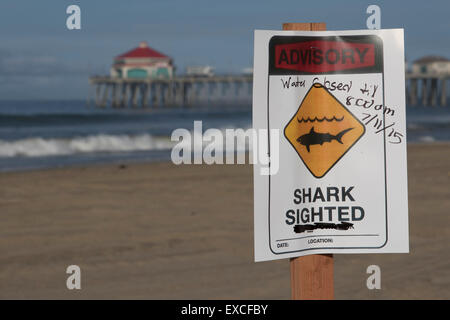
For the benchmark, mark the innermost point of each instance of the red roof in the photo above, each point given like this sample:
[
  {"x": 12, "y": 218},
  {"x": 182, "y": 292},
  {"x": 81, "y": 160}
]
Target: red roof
[
  {"x": 143, "y": 51},
  {"x": 428, "y": 59}
]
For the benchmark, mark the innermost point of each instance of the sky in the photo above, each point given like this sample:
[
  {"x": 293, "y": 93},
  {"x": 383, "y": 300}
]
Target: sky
[{"x": 41, "y": 59}]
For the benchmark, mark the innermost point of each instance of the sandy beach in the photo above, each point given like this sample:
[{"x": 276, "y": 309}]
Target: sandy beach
[{"x": 160, "y": 231}]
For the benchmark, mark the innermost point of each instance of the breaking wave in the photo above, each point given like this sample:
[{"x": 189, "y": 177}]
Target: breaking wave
[
  {"x": 426, "y": 139},
  {"x": 106, "y": 143},
  {"x": 40, "y": 147}
]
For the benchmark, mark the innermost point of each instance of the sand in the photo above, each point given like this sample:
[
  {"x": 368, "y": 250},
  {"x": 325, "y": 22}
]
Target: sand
[{"x": 160, "y": 231}]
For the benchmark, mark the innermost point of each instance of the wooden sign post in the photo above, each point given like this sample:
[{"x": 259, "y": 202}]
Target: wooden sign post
[{"x": 312, "y": 275}]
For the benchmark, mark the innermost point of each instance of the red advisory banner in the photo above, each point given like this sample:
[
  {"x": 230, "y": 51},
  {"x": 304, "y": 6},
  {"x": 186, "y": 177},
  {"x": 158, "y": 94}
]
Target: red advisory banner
[{"x": 319, "y": 56}]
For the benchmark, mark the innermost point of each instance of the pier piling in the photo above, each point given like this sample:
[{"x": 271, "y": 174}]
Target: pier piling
[{"x": 178, "y": 91}]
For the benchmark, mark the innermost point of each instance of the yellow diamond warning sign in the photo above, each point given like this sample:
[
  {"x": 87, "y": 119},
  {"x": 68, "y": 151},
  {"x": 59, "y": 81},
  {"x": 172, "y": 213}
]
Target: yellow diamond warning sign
[{"x": 322, "y": 130}]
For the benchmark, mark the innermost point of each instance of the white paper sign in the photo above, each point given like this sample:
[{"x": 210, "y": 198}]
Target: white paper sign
[{"x": 338, "y": 176}]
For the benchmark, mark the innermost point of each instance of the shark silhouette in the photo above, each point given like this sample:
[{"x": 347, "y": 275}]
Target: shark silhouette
[{"x": 313, "y": 137}]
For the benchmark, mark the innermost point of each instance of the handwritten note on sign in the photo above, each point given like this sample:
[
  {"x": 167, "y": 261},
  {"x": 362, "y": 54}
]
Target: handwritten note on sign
[{"x": 338, "y": 99}]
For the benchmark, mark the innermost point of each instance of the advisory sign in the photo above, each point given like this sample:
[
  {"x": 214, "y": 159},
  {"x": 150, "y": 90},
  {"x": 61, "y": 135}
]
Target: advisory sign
[{"x": 333, "y": 105}]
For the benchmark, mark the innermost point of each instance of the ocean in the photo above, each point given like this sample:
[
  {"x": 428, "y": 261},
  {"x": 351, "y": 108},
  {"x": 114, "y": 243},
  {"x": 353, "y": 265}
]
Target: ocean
[{"x": 46, "y": 134}]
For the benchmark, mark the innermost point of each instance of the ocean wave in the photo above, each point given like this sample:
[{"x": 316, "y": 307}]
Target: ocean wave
[
  {"x": 104, "y": 143},
  {"x": 426, "y": 139},
  {"x": 415, "y": 126},
  {"x": 14, "y": 120},
  {"x": 308, "y": 119},
  {"x": 419, "y": 126},
  {"x": 40, "y": 147}
]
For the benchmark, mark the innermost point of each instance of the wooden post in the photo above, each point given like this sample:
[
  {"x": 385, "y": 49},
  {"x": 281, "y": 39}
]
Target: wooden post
[
  {"x": 424, "y": 92},
  {"x": 105, "y": 96},
  {"x": 413, "y": 93},
  {"x": 443, "y": 92},
  {"x": 434, "y": 91},
  {"x": 312, "y": 275}
]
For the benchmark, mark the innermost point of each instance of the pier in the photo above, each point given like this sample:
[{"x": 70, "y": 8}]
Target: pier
[
  {"x": 427, "y": 89},
  {"x": 185, "y": 91},
  {"x": 181, "y": 91}
]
